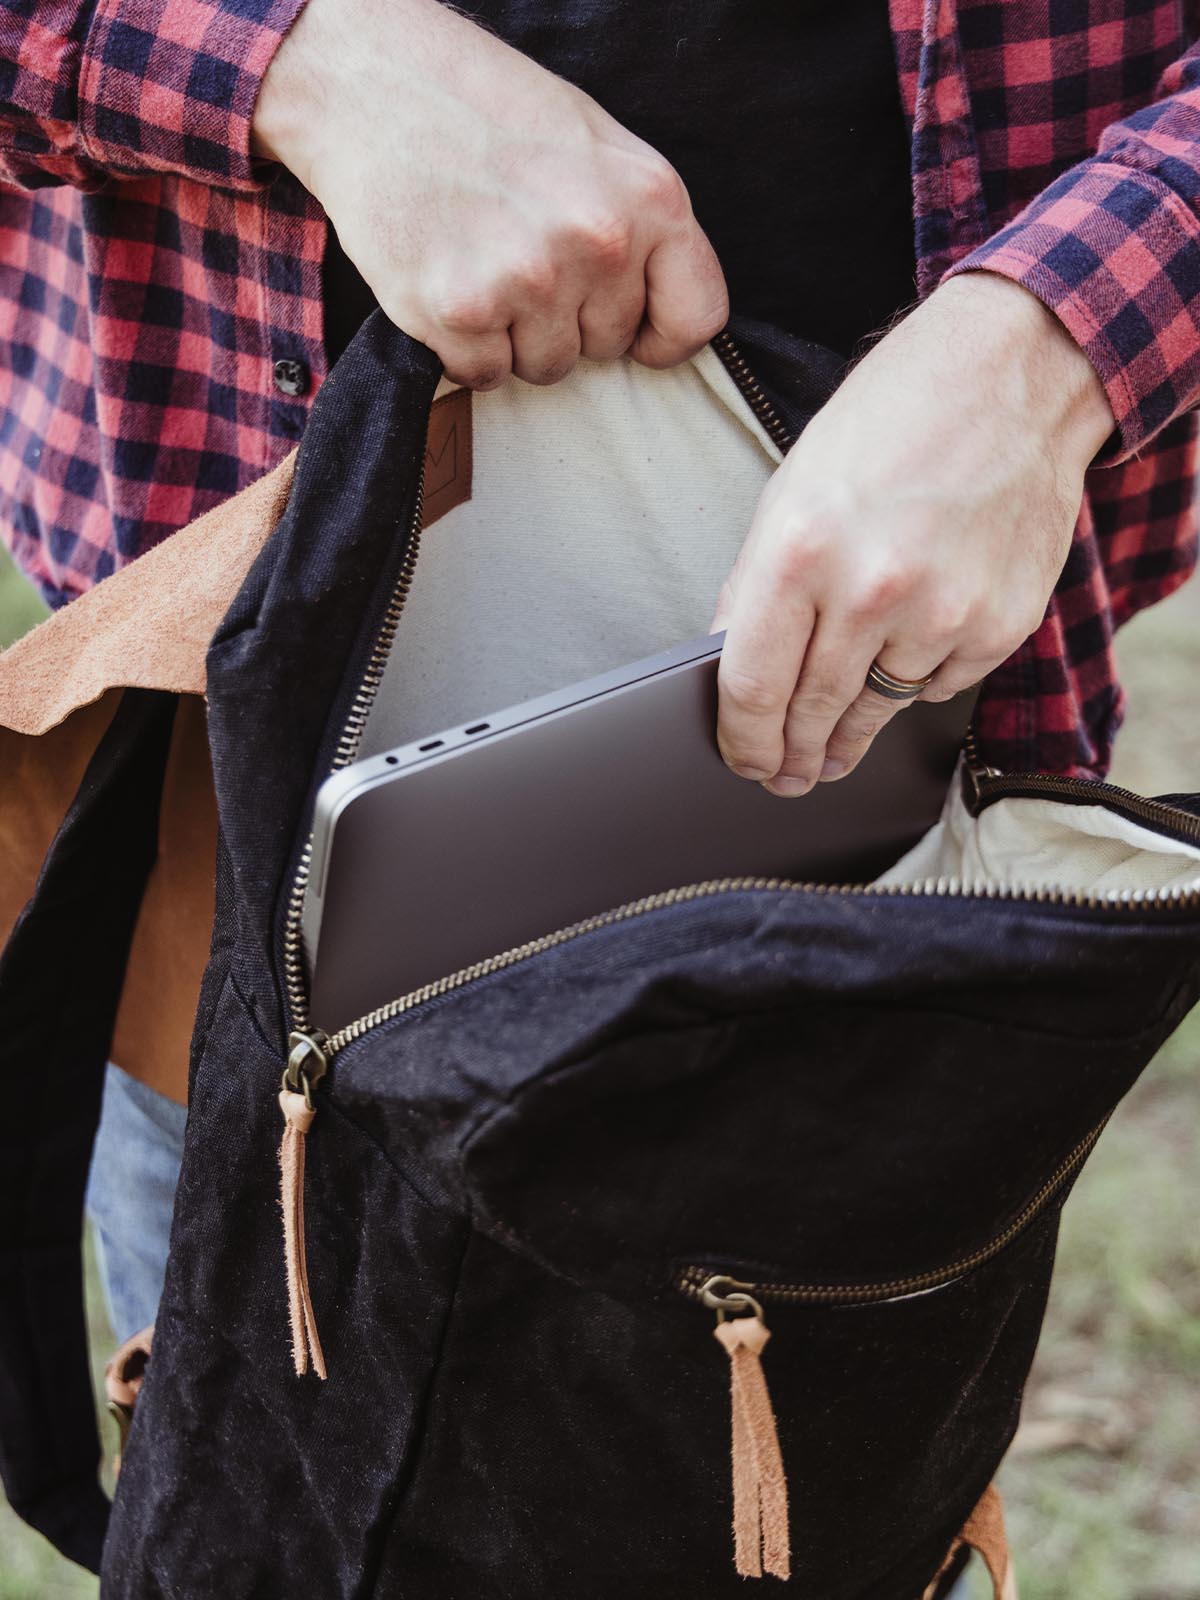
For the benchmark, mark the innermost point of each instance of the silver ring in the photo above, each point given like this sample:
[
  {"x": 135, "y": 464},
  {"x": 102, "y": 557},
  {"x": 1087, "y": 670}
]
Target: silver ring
[{"x": 894, "y": 688}]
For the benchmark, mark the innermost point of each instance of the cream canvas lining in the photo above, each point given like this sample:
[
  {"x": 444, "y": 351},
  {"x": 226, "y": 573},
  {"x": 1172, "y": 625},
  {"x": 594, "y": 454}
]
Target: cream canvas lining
[
  {"x": 605, "y": 515},
  {"x": 1040, "y": 844}
]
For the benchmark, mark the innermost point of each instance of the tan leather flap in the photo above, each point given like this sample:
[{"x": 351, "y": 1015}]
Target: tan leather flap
[{"x": 148, "y": 626}]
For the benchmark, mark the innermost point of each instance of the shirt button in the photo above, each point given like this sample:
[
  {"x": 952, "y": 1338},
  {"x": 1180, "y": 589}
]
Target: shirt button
[{"x": 291, "y": 377}]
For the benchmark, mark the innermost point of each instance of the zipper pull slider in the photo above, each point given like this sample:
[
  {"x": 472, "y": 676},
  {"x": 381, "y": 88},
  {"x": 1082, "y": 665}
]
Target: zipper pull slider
[
  {"x": 975, "y": 772},
  {"x": 307, "y": 1064},
  {"x": 760, "y": 1506}
]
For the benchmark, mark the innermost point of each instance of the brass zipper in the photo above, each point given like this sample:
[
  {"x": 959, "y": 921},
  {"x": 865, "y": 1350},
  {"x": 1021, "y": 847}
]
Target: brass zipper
[
  {"x": 295, "y": 983},
  {"x": 738, "y": 369},
  {"x": 988, "y": 784},
  {"x": 987, "y": 889},
  {"x": 716, "y": 1289}
]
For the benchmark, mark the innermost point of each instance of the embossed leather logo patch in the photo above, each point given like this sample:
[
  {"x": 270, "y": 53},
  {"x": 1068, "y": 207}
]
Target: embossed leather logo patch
[{"x": 448, "y": 455}]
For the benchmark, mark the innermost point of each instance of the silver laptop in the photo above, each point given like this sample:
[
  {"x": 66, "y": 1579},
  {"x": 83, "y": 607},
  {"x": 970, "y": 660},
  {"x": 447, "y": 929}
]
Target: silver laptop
[{"x": 461, "y": 846}]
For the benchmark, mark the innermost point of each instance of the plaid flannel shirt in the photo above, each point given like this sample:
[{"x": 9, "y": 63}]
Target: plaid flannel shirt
[{"x": 151, "y": 279}]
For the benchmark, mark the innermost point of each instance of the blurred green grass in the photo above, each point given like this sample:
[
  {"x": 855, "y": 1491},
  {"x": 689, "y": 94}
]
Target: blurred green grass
[
  {"x": 20, "y": 605},
  {"x": 1103, "y": 1486}
]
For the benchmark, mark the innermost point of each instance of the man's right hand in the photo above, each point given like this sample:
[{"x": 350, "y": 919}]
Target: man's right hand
[{"x": 498, "y": 214}]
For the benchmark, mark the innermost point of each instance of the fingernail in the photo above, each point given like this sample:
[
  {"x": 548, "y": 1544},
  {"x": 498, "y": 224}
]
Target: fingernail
[
  {"x": 789, "y": 788},
  {"x": 755, "y": 774},
  {"x": 831, "y": 769}
]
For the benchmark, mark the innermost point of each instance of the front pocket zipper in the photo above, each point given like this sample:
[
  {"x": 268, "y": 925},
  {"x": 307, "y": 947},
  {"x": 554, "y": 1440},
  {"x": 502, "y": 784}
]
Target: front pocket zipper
[
  {"x": 760, "y": 1516},
  {"x": 703, "y": 1282}
]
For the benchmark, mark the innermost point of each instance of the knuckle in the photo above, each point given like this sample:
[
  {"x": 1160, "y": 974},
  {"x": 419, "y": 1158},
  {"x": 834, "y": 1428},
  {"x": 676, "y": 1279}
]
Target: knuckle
[
  {"x": 607, "y": 238},
  {"x": 846, "y": 752},
  {"x": 749, "y": 693},
  {"x": 802, "y": 758},
  {"x": 474, "y": 369},
  {"x": 548, "y": 372},
  {"x": 881, "y": 592},
  {"x": 802, "y": 540},
  {"x": 816, "y": 703},
  {"x": 534, "y": 277},
  {"x": 662, "y": 189},
  {"x": 800, "y": 751},
  {"x": 488, "y": 376},
  {"x": 471, "y": 312},
  {"x": 742, "y": 749},
  {"x": 862, "y": 729},
  {"x": 796, "y": 558},
  {"x": 996, "y": 640},
  {"x": 945, "y": 619}
]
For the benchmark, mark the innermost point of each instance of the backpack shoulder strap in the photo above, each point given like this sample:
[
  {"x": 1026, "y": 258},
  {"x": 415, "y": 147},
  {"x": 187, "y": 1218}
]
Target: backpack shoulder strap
[{"x": 61, "y": 976}]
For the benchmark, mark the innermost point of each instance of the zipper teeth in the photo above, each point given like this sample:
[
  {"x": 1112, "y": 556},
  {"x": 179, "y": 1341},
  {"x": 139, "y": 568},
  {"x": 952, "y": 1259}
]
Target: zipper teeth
[
  {"x": 738, "y": 369},
  {"x": 368, "y": 688},
  {"x": 996, "y": 786},
  {"x": 509, "y": 958},
  {"x": 694, "y": 1277},
  {"x": 295, "y": 986},
  {"x": 293, "y": 964},
  {"x": 992, "y": 784},
  {"x": 956, "y": 888}
]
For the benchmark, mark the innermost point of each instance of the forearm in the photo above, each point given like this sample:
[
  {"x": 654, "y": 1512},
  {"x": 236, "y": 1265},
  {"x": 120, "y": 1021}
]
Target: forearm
[
  {"x": 313, "y": 95},
  {"x": 1001, "y": 340}
]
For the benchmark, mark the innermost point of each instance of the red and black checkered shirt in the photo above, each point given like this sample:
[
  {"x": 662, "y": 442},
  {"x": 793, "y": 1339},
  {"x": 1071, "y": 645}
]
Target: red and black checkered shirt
[{"x": 152, "y": 281}]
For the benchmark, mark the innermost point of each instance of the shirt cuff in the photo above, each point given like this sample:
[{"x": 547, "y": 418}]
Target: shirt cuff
[
  {"x": 1115, "y": 253},
  {"x": 171, "y": 85}
]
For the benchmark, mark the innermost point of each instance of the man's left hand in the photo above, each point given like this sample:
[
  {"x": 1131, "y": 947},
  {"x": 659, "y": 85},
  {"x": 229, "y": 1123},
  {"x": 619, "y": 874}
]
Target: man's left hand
[{"x": 920, "y": 522}]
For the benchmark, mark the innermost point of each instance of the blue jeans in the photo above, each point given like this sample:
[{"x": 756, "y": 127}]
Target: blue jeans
[{"x": 131, "y": 1195}]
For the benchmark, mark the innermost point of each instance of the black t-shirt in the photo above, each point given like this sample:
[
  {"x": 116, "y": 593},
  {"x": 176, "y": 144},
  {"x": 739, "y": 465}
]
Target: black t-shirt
[{"x": 782, "y": 117}]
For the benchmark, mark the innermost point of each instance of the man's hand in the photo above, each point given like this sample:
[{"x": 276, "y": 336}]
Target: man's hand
[
  {"x": 499, "y": 215},
  {"x": 921, "y": 521}
]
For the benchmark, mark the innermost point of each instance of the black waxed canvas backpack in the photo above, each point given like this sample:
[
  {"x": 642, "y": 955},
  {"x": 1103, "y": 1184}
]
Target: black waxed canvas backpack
[{"x": 532, "y": 1194}]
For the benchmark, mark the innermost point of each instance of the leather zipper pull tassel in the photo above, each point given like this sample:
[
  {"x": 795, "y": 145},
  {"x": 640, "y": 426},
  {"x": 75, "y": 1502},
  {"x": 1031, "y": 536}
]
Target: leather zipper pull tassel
[
  {"x": 306, "y": 1066},
  {"x": 761, "y": 1539}
]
